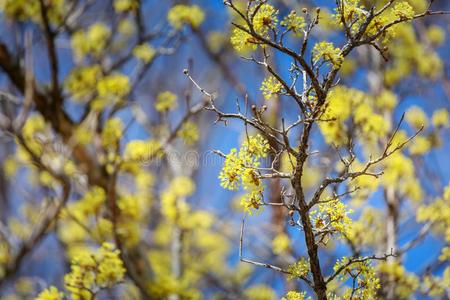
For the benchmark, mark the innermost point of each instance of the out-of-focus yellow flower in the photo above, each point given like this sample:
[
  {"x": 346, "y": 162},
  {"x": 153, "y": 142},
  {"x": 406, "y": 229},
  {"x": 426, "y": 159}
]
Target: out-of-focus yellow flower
[
  {"x": 166, "y": 101},
  {"x": 51, "y": 293},
  {"x": 181, "y": 14}
]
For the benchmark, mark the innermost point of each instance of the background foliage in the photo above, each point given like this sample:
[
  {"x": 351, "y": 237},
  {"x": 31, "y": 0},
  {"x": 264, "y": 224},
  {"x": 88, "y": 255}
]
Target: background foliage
[{"x": 224, "y": 150}]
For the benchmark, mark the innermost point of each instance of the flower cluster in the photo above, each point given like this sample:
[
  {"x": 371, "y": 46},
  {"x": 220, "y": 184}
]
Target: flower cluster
[
  {"x": 181, "y": 14},
  {"x": 144, "y": 52},
  {"x": 403, "y": 10},
  {"x": 405, "y": 283},
  {"x": 82, "y": 81},
  {"x": 293, "y": 22},
  {"x": 166, "y": 101},
  {"x": 292, "y": 295},
  {"x": 243, "y": 41},
  {"x": 125, "y": 5},
  {"x": 51, "y": 293},
  {"x": 91, "y": 272},
  {"x": 142, "y": 151},
  {"x": 327, "y": 52},
  {"x": 270, "y": 86},
  {"x": 363, "y": 275},
  {"x": 331, "y": 217},
  {"x": 242, "y": 167},
  {"x": 416, "y": 117},
  {"x": 438, "y": 213},
  {"x": 92, "y": 41},
  {"x": 264, "y": 19},
  {"x": 299, "y": 269},
  {"x": 189, "y": 133}
]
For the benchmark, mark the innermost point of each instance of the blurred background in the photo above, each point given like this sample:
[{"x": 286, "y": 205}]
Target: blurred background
[{"x": 416, "y": 74}]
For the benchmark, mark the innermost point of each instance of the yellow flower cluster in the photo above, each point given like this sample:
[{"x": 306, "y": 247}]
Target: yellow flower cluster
[
  {"x": 436, "y": 34},
  {"x": 243, "y": 41},
  {"x": 51, "y": 293},
  {"x": 416, "y": 117},
  {"x": 406, "y": 283},
  {"x": 343, "y": 102},
  {"x": 435, "y": 286},
  {"x": 82, "y": 82},
  {"x": 144, "y": 52},
  {"x": 399, "y": 173},
  {"x": 366, "y": 284},
  {"x": 265, "y": 18},
  {"x": 405, "y": 62},
  {"x": 179, "y": 188},
  {"x": 111, "y": 89},
  {"x": 327, "y": 52},
  {"x": 111, "y": 133},
  {"x": 241, "y": 167},
  {"x": 355, "y": 13},
  {"x": 91, "y": 272},
  {"x": 142, "y": 151},
  {"x": 260, "y": 292},
  {"x": 181, "y": 14},
  {"x": 34, "y": 132},
  {"x": 30, "y": 9},
  {"x": 125, "y": 5},
  {"x": 420, "y": 146},
  {"x": 441, "y": 118},
  {"x": 293, "y": 22},
  {"x": 292, "y": 295},
  {"x": 332, "y": 217},
  {"x": 166, "y": 101},
  {"x": 280, "y": 243},
  {"x": 270, "y": 87},
  {"x": 189, "y": 133},
  {"x": 403, "y": 10},
  {"x": 92, "y": 41},
  {"x": 368, "y": 229},
  {"x": 299, "y": 269},
  {"x": 386, "y": 100},
  {"x": 438, "y": 212}
]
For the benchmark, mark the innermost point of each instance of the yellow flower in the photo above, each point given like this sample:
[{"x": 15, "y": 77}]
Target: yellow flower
[
  {"x": 125, "y": 5},
  {"x": 144, "y": 52},
  {"x": 420, "y": 146},
  {"x": 265, "y": 19},
  {"x": 436, "y": 34},
  {"x": 114, "y": 85},
  {"x": 270, "y": 86},
  {"x": 403, "y": 10},
  {"x": 92, "y": 271},
  {"x": 440, "y": 118},
  {"x": 189, "y": 133},
  {"x": 181, "y": 14},
  {"x": 280, "y": 243},
  {"x": 299, "y": 269},
  {"x": 294, "y": 22},
  {"x": 51, "y": 293},
  {"x": 292, "y": 295},
  {"x": 166, "y": 101},
  {"x": 110, "y": 267},
  {"x": 416, "y": 117},
  {"x": 231, "y": 171},
  {"x": 112, "y": 132},
  {"x": 93, "y": 41},
  {"x": 386, "y": 100},
  {"x": 243, "y": 41},
  {"x": 327, "y": 52},
  {"x": 142, "y": 151},
  {"x": 81, "y": 82}
]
